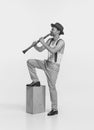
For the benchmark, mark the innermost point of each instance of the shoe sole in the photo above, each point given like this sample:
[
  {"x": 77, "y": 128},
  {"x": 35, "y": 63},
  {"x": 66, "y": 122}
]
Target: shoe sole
[{"x": 52, "y": 114}]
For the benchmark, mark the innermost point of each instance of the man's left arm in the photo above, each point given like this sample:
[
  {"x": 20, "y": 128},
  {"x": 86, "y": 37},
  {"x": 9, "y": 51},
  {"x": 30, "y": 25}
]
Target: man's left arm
[{"x": 56, "y": 48}]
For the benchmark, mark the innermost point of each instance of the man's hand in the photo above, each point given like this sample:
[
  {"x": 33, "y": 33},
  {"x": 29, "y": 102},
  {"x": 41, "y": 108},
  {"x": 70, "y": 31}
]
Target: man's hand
[
  {"x": 34, "y": 43},
  {"x": 41, "y": 40}
]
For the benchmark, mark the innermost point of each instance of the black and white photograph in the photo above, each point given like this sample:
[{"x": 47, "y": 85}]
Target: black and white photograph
[{"x": 47, "y": 65}]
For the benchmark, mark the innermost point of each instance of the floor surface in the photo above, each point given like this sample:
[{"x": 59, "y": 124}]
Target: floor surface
[{"x": 73, "y": 115}]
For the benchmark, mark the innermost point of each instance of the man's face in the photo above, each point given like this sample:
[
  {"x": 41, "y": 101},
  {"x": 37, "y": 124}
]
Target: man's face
[{"x": 54, "y": 31}]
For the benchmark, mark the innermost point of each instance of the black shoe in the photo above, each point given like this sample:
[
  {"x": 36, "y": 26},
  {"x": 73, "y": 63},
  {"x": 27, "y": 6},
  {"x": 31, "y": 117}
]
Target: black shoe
[
  {"x": 52, "y": 112},
  {"x": 34, "y": 84}
]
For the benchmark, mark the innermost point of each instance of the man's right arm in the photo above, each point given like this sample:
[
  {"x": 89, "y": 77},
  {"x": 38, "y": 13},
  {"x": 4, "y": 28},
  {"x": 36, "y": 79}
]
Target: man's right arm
[{"x": 42, "y": 48}]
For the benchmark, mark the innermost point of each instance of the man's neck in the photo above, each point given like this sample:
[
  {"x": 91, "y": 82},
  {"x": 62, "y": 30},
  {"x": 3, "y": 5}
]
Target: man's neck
[{"x": 56, "y": 37}]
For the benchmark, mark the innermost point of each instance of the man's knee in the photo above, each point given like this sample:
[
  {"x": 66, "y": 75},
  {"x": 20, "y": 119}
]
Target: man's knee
[
  {"x": 52, "y": 88},
  {"x": 30, "y": 61}
]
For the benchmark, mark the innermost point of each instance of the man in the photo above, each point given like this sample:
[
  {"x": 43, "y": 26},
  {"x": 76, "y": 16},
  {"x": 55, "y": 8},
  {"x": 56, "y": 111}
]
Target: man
[{"x": 51, "y": 66}]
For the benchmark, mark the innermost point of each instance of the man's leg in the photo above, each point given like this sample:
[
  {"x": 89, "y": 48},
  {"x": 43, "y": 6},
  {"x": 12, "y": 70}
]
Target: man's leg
[
  {"x": 53, "y": 91},
  {"x": 52, "y": 73},
  {"x": 32, "y": 64}
]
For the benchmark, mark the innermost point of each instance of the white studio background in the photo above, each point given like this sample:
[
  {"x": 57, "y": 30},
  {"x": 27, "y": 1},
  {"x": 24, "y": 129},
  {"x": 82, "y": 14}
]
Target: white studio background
[{"x": 22, "y": 22}]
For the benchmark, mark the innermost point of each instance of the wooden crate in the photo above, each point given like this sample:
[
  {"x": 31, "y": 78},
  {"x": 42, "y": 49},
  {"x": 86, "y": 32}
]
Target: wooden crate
[{"x": 35, "y": 99}]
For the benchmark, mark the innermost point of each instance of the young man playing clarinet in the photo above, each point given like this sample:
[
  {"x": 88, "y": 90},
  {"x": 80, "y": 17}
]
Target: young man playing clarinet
[{"x": 51, "y": 66}]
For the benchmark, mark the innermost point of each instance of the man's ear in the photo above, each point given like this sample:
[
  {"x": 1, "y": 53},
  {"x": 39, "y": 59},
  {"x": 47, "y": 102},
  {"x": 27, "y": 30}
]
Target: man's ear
[{"x": 59, "y": 32}]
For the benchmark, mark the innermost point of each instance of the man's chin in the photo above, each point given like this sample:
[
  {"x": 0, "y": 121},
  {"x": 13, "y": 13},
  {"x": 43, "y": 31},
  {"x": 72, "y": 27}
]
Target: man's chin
[{"x": 51, "y": 34}]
